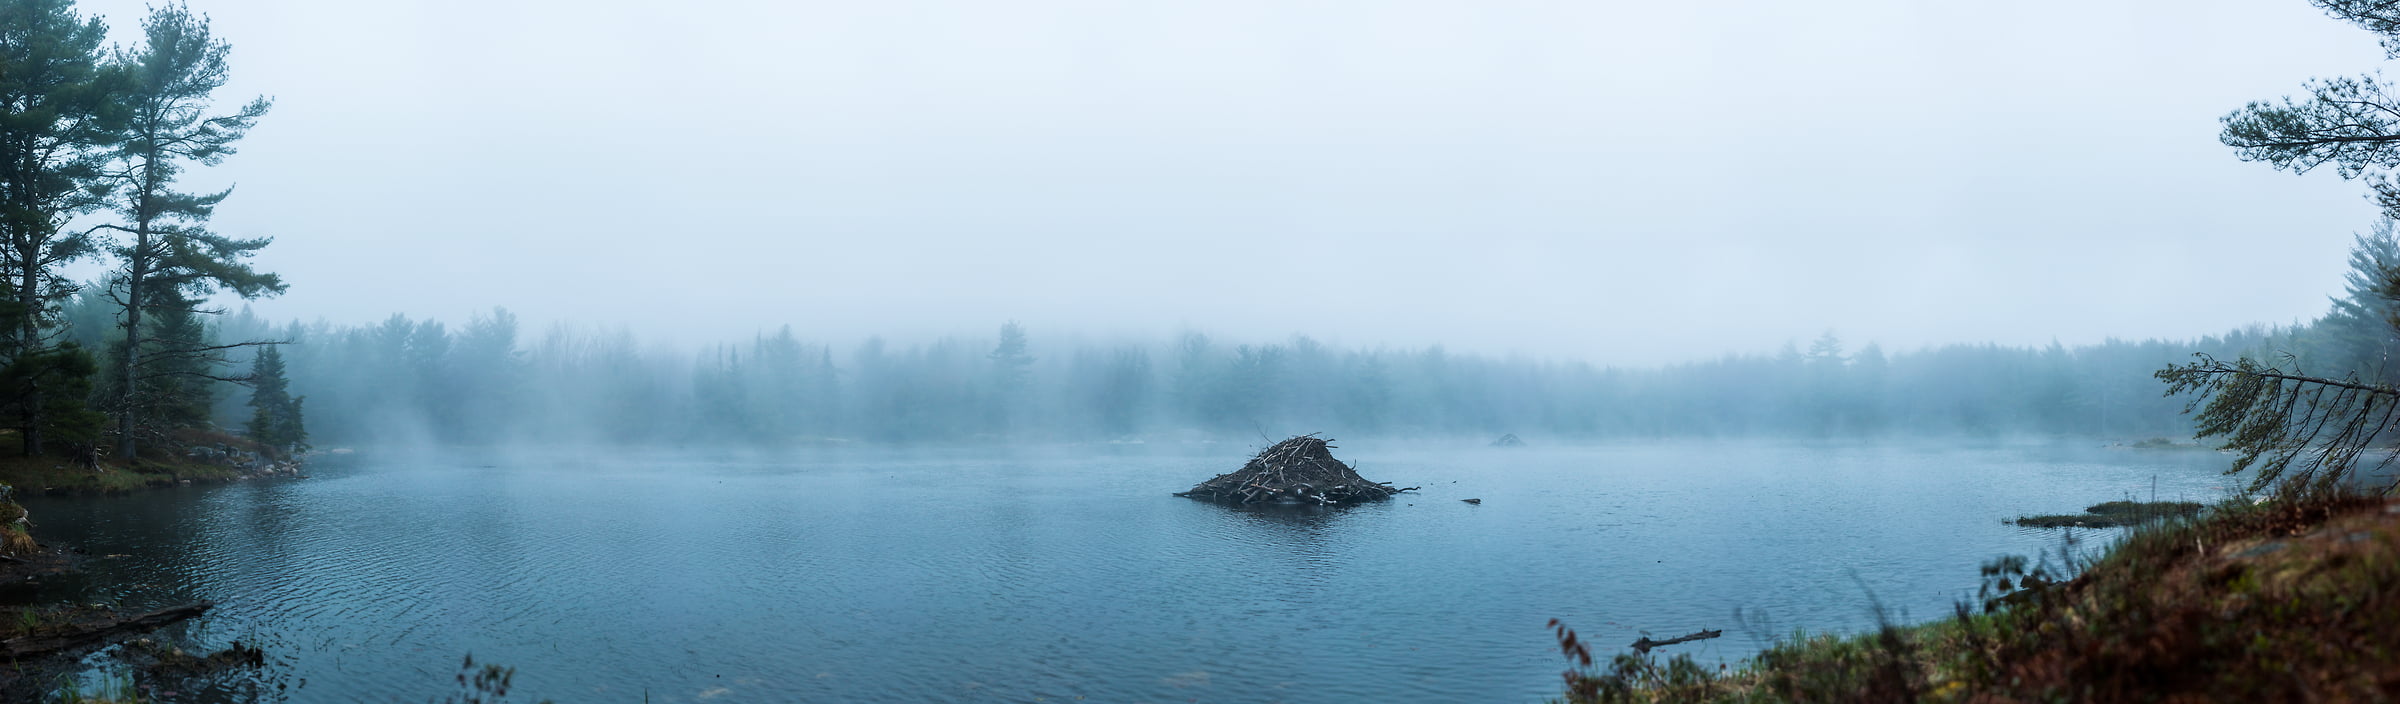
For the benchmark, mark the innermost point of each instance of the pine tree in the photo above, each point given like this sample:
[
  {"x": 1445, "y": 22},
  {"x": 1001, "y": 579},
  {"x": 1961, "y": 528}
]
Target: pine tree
[
  {"x": 2351, "y": 123},
  {"x": 2306, "y": 432},
  {"x": 2359, "y": 332},
  {"x": 58, "y": 120},
  {"x": 1123, "y": 391},
  {"x": 167, "y": 259},
  {"x": 487, "y": 375},
  {"x": 57, "y": 381},
  {"x": 275, "y": 417},
  {"x": 1012, "y": 372},
  {"x": 176, "y": 384},
  {"x": 1195, "y": 382}
]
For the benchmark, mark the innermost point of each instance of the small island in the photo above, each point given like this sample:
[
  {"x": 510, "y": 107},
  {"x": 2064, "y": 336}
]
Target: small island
[{"x": 2113, "y": 514}]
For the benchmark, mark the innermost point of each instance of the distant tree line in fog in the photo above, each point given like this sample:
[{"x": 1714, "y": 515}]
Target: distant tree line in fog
[
  {"x": 405, "y": 379},
  {"x": 411, "y": 379},
  {"x": 489, "y": 381}
]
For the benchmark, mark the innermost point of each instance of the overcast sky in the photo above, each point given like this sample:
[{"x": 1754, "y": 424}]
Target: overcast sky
[{"x": 1626, "y": 183}]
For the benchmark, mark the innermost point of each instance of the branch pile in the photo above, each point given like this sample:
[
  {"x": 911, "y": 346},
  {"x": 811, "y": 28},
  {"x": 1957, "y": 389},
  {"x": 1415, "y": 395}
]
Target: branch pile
[{"x": 1301, "y": 470}]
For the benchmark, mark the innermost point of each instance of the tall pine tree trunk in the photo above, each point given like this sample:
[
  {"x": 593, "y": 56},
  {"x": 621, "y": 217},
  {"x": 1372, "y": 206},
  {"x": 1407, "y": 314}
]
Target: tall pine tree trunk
[
  {"x": 125, "y": 361},
  {"x": 29, "y": 337},
  {"x": 137, "y": 272}
]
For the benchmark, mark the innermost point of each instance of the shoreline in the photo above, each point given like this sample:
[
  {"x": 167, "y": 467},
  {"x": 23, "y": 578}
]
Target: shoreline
[
  {"x": 2182, "y": 610},
  {"x": 48, "y": 640}
]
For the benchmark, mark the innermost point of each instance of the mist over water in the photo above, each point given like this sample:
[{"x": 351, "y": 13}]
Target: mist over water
[
  {"x": 487, "y": 382},
  {"x": 908, "y": 575}
]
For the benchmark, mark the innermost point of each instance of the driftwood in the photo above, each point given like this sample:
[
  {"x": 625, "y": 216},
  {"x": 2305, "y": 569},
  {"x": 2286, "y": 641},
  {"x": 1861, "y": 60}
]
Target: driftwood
[
  {"x": 1300, "y": 470},
  {"x": 1644, "y": 645},
  {"x": 86, "y": 634}
]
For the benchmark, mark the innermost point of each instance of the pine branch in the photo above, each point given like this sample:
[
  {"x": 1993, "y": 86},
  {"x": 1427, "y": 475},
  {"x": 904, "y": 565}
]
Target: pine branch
[
  {"x": 196, "y": 351},
  {"x": 2274, "y": 419}
]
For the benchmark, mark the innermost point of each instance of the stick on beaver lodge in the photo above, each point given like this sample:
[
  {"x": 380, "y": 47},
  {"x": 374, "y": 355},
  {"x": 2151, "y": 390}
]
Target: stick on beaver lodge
[{"x": 1300, "y": 470}]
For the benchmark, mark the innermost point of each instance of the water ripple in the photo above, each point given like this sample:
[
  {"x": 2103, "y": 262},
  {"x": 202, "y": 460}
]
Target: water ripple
[{"x": 945, "y": 576}]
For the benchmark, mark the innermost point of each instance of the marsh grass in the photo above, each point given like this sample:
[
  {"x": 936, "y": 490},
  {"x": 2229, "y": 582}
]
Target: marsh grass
[
  {"x": 488, "y": 684},
  {"x": 15, "y": 542},
  {"x": 112, "y": 688},
  {"x": 2113, "y": 514}
]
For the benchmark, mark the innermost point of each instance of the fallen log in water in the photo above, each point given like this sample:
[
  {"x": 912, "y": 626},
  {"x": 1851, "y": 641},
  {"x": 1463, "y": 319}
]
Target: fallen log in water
[
  {"x": 1644, "y": 645},
  {"x": 81, "y": 634}
]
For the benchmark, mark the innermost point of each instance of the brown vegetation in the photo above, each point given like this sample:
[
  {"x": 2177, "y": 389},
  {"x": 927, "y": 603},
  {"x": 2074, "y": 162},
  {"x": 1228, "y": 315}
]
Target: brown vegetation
[{"x": 2295, "y": 600}]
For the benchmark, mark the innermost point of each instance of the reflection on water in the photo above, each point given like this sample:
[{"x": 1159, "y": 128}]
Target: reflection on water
[
  {"x": 1295, "y": 515},
  {"x": 896, "y": 576}
]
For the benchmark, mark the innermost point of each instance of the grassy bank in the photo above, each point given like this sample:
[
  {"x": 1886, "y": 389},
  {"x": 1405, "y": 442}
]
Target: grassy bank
[
  {"x": 2287, "y": 601},
  {"x": 60, "y": 475},
  {"x": 171, "y": 465}
]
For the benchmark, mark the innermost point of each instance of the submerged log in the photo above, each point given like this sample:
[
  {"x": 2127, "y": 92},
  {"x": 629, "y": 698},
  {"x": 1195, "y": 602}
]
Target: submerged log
[
  {"x": 82, "y": 634},
  {"x": 1300, "y": 470}
]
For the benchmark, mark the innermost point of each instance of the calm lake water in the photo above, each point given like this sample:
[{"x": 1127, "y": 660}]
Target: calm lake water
[{"x": 1061, "y": 573}]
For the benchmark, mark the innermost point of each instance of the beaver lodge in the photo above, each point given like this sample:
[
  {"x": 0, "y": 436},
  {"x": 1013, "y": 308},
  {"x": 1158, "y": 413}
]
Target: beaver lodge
[{"x": 1301, "y": 470}]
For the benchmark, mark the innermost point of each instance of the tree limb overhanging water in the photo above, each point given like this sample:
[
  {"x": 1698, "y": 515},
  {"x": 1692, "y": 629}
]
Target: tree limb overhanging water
[{"x": 2303, "y": 433}]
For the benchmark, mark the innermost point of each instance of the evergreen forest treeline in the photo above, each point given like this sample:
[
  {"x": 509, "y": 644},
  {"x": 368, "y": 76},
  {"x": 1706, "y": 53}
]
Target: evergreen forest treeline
[
  {"x": 489, "y": 381},
  {"x": 417, "y": 380}
]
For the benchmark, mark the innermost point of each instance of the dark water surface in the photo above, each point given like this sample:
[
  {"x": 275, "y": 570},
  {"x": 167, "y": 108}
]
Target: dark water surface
[{"x": 1061, "y": 573}]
